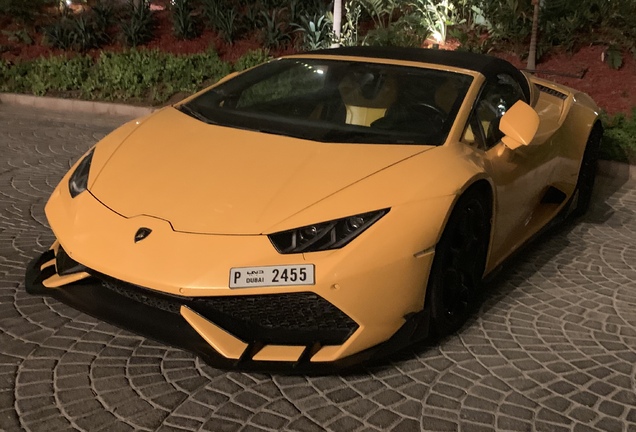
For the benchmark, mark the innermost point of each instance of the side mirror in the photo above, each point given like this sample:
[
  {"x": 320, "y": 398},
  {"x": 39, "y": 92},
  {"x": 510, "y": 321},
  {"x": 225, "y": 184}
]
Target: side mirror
[{"x": 519, "y": 125}]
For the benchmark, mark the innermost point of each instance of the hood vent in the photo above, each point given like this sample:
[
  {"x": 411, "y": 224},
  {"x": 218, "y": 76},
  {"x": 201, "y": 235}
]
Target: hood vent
[{"x": 552, "y": 92}]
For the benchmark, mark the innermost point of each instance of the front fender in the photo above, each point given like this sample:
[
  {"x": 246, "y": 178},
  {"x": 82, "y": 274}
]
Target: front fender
[{"x": 422, "y": 189}]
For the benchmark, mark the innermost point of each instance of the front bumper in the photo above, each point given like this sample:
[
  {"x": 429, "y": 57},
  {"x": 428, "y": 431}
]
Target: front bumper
[{"x": 247, "y": 332}]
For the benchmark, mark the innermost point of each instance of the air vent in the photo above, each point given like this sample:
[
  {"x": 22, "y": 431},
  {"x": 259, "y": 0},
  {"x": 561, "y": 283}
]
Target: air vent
[{"x": 552, "y": 92}]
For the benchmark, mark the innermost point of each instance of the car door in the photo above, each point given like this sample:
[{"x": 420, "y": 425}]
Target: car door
[{"x": 516, "y": 173}]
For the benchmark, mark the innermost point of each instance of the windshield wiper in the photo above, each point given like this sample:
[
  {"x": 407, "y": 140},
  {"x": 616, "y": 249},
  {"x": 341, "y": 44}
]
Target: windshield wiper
[{"x": 193, "y": 113}]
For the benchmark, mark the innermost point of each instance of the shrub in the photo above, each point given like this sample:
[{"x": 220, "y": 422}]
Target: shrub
[
  {"x": 23, "y": 10},
  {"x": 619, "y": 140},
  {"x": 351, "y": 18},
  {"x": 87, "y": 35},
  {"x": 433, "y": 17},
  {"x": 138, "y": 29},
  {"x": 121, "y": 75},
  {"x": 20, "y": 36},
  {"x": 250, "y": 19},
  {"x": 53, "y": 74},
  {"x": 189, "y": 74},
  {"x": 406, "y": 31},
  {"x": 275, "y": 30},
  {"x": 79, "y": 33},
  {"x": 184, "y": 24},
  {"x": 5, "y": 76},
  {"x": 227, "y": 25},
  {"x": 104, "y": 13},
  {"x": 316, "y": 32},
  {"x": 148, "y": 75},
  {"x": 509, "y": 20},
  {"x": 221, "y": 16},
  {"x": 152, "y": 74},
  {"x": 252, "y": 58},
  {"x": 61, "y": 34},
  {"x": 312, "y": 7},
  {"x": 569, "y": 24}
]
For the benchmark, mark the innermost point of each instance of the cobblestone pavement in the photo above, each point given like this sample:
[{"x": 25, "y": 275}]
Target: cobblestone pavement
[{"x": 552, "y": 347}]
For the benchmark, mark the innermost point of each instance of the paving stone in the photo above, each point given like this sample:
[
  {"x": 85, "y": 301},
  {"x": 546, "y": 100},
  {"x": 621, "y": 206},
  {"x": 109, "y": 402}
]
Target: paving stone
[
  {"x": 409, "y": 408},
  {"x": 388, "y": 397},
  {"x": 477, "y": 416},
  {"x": 361, "y": 408},
  {"x": 609, "y": 424},
  {"x": 284, "y": 408},
  {"x": 471, "y": 427},
  {"x": 222, "y": 425},
  {"x": 541, "y": 426},
  {"x": 342, "y": 395},
  {"x": 184, "y": 423},
  {"x": 512, "y": 424},
  {"x": 407, "y": 425},
  {"x": 303, "y": 424},
  {"x": 345, "y": 424},
  {"x": 269, "y": 420},
  {"x": 449, "y": 390},
  {"x": 583, "y": 414},
  {"x": 601, "y": 388},
  {"x": 384, "y": 419},
  {"x": 611, "y": 409},
  {"x": 584, "y": 428},
  {"x": 438, "y": 424},
  {"x": 585, "y": 398},
  {"x": 440, "y": 401}
]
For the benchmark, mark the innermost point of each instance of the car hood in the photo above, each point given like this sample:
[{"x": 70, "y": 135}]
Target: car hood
[{"x": 210, "y": 179}]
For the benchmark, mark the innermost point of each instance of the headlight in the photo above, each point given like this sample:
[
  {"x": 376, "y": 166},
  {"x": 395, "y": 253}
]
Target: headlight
[
  {"x": 79, "y": 179},
  {"x": 326, "y": 235}
]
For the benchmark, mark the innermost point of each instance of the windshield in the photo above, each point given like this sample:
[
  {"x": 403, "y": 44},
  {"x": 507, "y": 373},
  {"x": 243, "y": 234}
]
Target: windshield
[{"x": 337, "y": 101}]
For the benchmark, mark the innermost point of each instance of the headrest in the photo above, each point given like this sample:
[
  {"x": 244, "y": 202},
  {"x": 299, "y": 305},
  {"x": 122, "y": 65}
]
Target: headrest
[{"x": 368, "y": 89}]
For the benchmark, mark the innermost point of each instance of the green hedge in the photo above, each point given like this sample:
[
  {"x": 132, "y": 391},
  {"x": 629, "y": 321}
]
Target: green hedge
[
  {"x": 619, "y": 139},
  {"x": 150, "y": 76}
]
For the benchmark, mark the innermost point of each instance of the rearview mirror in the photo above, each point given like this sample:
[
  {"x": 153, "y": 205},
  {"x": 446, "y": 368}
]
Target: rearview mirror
[{"x": 519, "y": 125}]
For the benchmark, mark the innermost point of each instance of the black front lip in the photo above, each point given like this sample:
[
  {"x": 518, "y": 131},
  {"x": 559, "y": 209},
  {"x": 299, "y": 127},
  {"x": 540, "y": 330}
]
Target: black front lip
[{"x": 90, "y": 297}]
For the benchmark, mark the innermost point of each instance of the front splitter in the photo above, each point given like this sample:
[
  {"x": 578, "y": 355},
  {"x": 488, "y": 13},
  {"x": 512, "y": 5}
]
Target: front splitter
[{"x": 89, "y": 296}]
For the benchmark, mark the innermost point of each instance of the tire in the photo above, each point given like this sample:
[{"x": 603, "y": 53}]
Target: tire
[
  {"x": 459, "y": 263},
  {"x": 587, "y": 173}
]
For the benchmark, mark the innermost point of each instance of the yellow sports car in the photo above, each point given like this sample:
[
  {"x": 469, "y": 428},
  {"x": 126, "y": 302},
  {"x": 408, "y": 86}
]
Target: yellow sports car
[{"x": 320, "y": 209}]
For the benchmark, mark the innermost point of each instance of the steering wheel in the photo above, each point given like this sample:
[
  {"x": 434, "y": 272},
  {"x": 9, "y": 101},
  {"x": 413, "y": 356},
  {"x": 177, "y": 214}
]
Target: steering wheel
[{"x": 435, "y": 114}]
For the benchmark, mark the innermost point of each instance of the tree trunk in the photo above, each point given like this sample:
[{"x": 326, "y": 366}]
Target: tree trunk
[
  {"x": 532, "y": 54},
  {"x": 337, "y": 22}
]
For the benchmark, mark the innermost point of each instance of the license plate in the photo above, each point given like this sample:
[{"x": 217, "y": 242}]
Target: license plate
[{"x": 248, "y": 277}]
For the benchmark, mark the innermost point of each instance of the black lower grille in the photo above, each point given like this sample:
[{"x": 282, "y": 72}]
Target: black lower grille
[
  {"x": 288, "y": 319},
  {"x": 284, "y": 319},
  {"x": 148, "y": 297}
]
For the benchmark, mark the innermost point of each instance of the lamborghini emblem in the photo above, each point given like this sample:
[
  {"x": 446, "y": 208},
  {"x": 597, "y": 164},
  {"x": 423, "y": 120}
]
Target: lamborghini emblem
[{"x": 142, "y": 233}]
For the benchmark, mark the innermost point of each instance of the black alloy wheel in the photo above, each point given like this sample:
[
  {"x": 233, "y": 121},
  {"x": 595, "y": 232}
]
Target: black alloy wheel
[{"x": 459, "y": 263}]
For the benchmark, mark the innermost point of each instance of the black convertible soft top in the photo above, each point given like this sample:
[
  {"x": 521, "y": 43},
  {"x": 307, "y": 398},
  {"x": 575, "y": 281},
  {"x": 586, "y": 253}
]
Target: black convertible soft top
[{"x": 486, "y": 65}]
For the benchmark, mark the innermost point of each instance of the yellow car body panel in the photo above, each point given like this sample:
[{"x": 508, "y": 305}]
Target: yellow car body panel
[
  {"x": 211, "y": 195},
  {"x": 187, "y": 182}
]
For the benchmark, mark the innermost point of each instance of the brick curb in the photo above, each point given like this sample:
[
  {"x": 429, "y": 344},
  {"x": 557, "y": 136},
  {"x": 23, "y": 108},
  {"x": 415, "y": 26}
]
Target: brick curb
[
  {"x": 605, "y": 168},
  {"x": 58, "y": 104}
]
